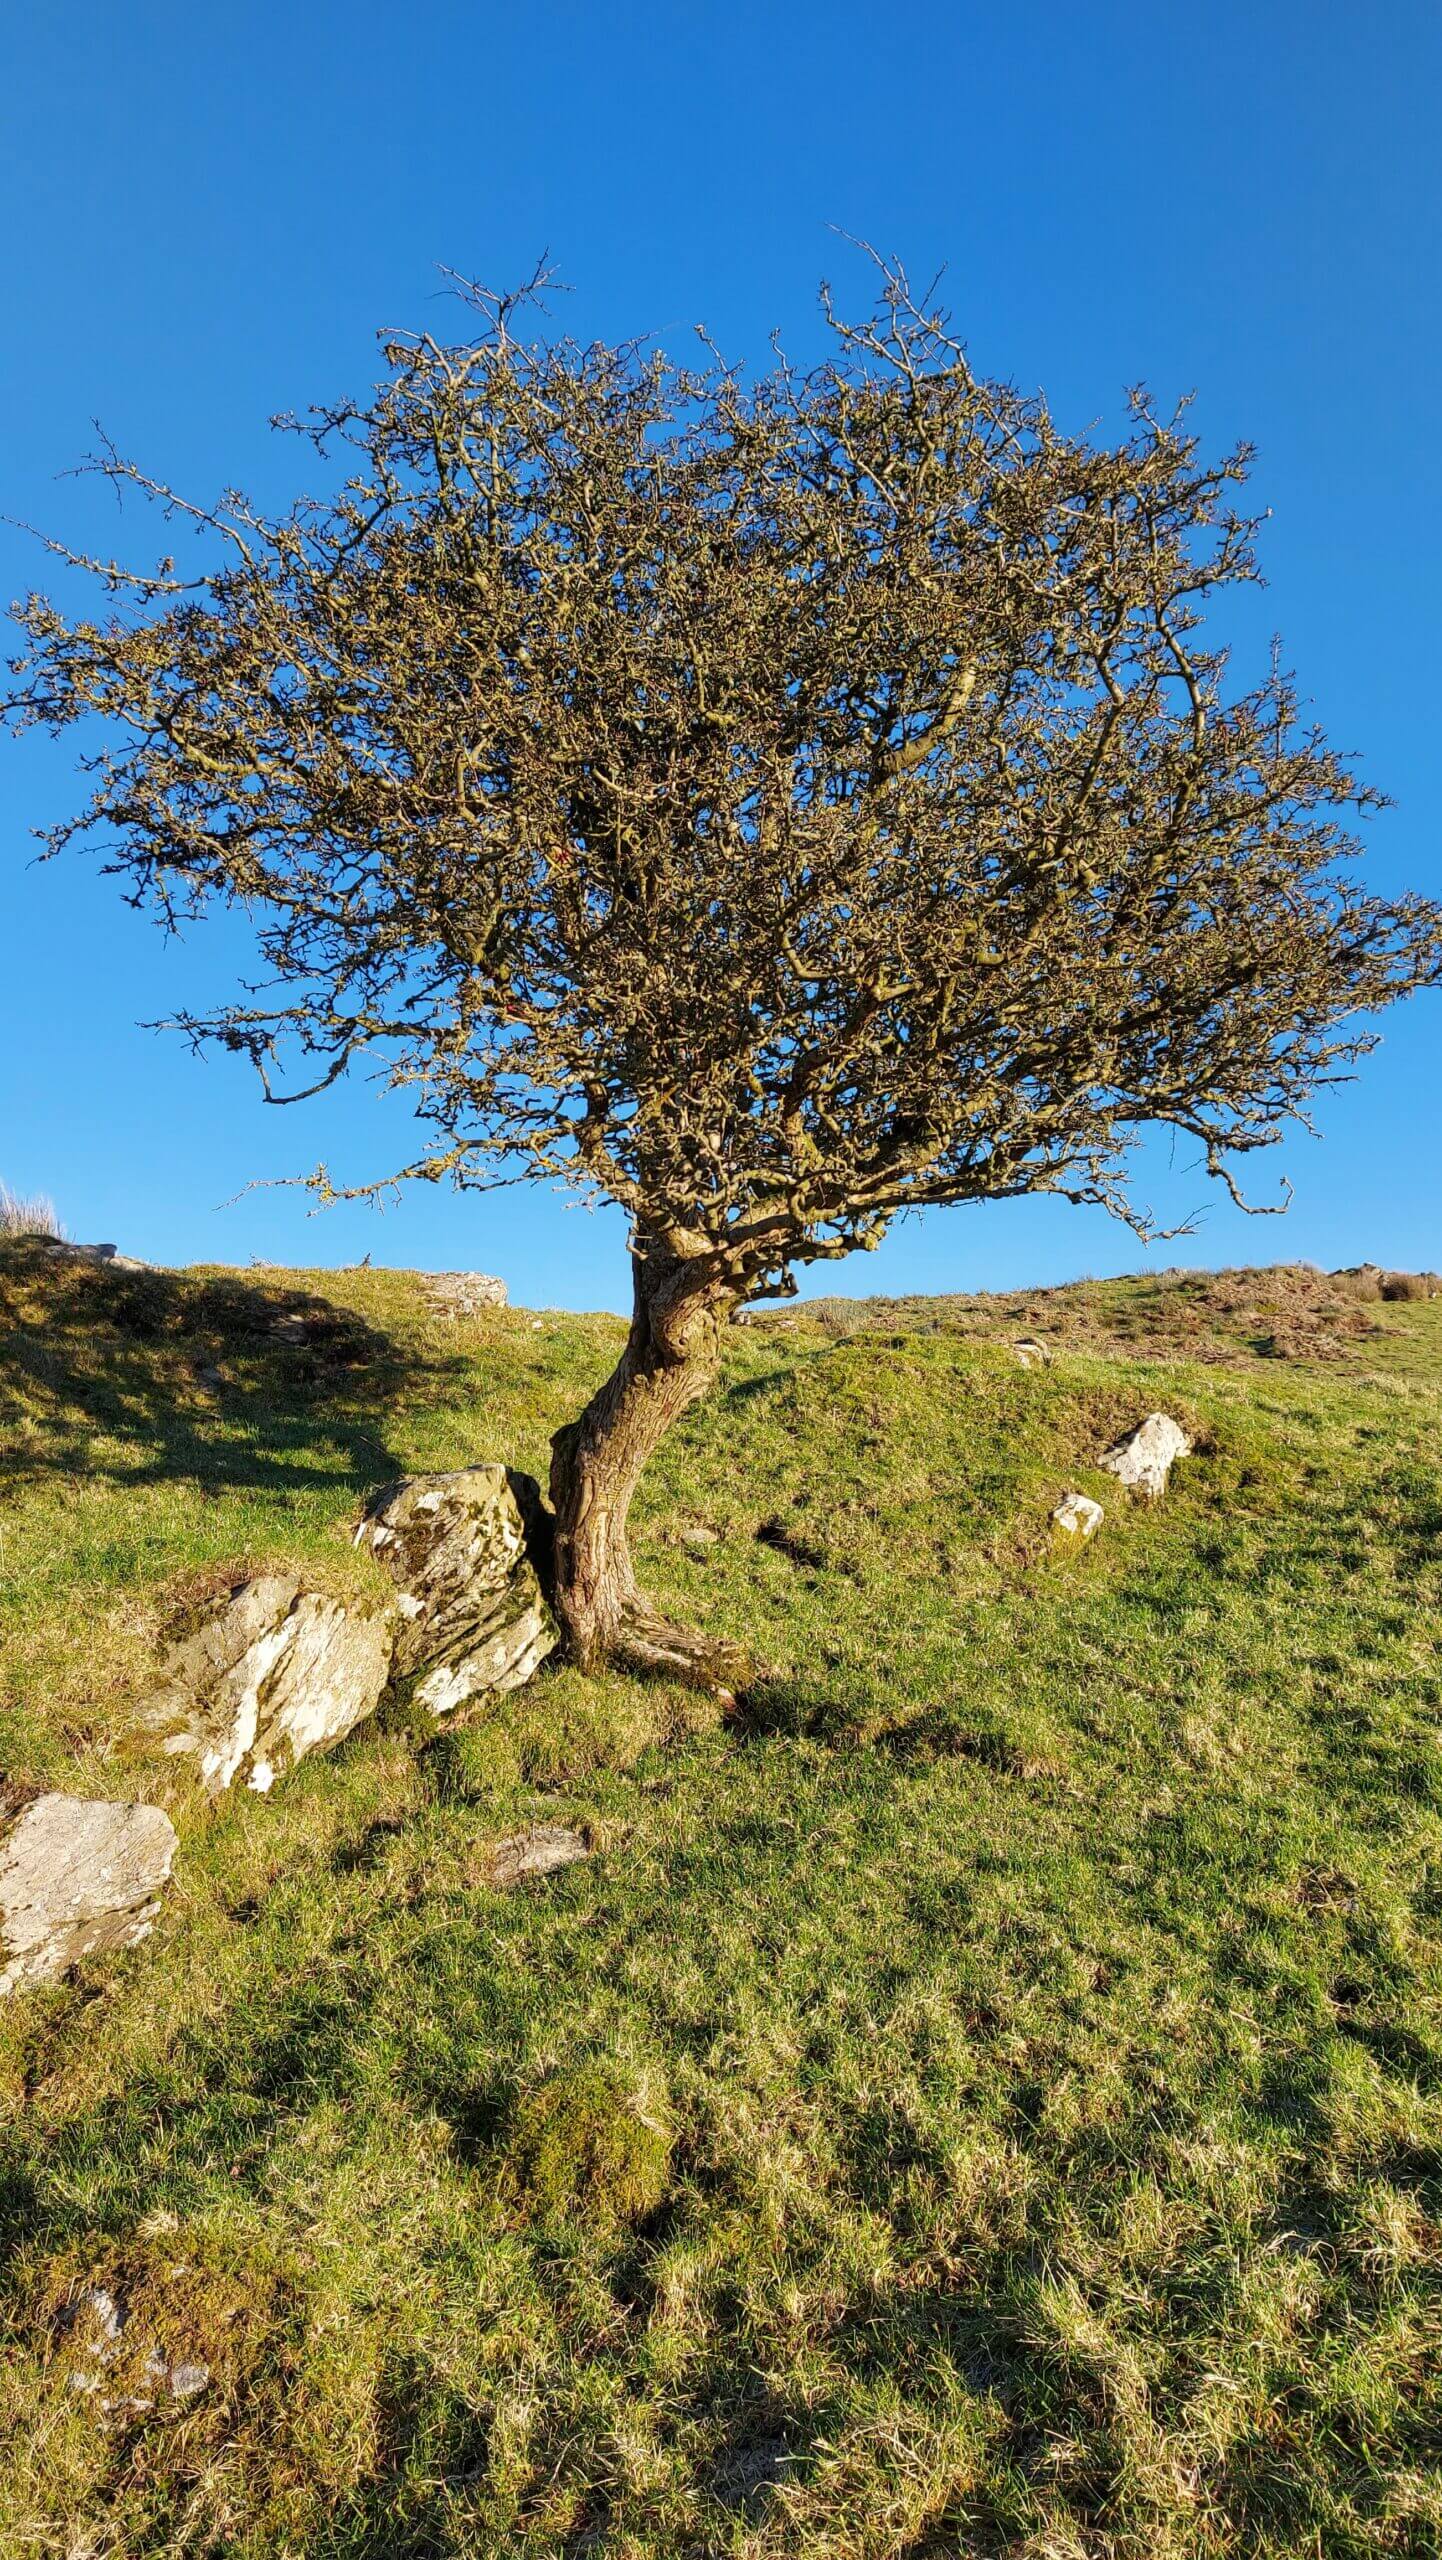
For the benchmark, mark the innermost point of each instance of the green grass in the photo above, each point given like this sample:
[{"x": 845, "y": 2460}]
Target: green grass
[{"x": 986, "y": 2099}]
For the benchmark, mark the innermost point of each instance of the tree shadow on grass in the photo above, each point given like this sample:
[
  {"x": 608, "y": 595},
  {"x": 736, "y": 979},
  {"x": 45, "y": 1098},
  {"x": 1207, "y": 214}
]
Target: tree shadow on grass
[{"x": 145, "y": 1377}]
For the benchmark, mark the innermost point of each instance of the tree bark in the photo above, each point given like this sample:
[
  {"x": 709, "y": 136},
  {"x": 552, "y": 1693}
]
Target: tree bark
[{"x": 671, "y": 1357}]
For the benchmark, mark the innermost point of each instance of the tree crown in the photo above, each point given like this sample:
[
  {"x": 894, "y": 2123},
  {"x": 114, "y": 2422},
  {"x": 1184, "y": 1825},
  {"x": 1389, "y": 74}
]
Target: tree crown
[{"x": 771, "y": 803}]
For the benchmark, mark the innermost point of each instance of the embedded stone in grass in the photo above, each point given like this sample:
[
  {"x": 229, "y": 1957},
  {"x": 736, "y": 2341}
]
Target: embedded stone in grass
[
  {"x": 1076, "y": 1519},
  {"x": 538, "y": 1851},
  {"x": 1032, "y": 1354},
  {"x": 151, "y": 2326},
  {"x": 473, "y": 1617},
  {"x": 1143, "y": 1459},
  {"x": 76, "y": 1879},
  {"x": 104, "y": 2351},
  {"x": 271, "y": 1674},
  {"x": 584, "y": 2146}
]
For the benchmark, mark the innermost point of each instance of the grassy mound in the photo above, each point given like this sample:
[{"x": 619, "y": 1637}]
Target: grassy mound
[{"x": 987, "y": 2099}]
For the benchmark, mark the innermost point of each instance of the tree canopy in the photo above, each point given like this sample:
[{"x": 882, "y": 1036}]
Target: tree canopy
[{"x": 769, "y": 801}]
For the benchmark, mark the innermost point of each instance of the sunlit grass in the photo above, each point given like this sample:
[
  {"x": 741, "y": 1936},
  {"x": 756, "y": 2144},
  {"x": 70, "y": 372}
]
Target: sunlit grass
[{"x": 984, "y": 2099}]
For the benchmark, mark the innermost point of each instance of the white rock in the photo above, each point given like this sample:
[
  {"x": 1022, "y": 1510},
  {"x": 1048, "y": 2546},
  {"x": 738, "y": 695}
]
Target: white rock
[
  {"x": 464, "y": 1293},
  {"x": 1077, "y": 1518},
  {"x": 1032, "y": 1354},
  {"x": 473, "y": 1618},
  {"x": 77, "y": 1877},
  {"x": 1142, "y": 1460},
  {"x": 271, "y": 1674}
]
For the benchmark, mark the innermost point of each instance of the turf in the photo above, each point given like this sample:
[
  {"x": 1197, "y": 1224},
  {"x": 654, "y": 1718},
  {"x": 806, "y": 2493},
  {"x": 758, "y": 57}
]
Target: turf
[{"x": 982, "y": 2098}]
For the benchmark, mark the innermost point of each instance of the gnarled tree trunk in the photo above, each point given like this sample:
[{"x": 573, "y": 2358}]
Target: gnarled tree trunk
[{"x": 671, "y": 1357}]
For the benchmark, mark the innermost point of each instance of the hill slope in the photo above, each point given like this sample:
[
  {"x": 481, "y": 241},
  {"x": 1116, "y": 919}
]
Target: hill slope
[{"x": 984, "y": 2099}]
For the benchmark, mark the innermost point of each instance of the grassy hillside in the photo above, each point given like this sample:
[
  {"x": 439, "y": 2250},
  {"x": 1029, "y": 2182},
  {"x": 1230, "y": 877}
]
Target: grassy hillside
[{"x": 982, "y": 2099}]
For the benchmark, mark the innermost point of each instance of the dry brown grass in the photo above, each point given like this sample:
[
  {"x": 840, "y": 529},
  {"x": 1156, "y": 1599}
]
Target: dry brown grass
[
  {"x": 1288, "y": 1311},
  {"x": 27, "y": 1215}
]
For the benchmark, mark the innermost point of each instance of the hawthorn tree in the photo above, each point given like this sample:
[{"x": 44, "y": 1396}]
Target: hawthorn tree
[{"x": 771, "y": 804}]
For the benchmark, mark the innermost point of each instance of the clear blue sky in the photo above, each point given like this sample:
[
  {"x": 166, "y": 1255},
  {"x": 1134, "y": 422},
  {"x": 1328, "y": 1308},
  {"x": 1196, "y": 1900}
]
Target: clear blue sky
[{"x": 208, "y": 213}]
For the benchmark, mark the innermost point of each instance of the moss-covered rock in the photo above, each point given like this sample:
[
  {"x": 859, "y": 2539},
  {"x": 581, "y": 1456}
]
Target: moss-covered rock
[{"x": 473, "y": 1621}]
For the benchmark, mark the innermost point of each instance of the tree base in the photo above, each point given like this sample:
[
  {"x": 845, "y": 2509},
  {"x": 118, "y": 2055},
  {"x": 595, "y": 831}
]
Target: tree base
[
  {"x": 670, "y": 1357},
  {"x": 645, "y": 1641}
]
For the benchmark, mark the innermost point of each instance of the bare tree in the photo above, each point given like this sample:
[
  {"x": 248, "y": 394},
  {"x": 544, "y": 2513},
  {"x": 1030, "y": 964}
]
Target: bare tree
[{"x": 770, "y": 804}]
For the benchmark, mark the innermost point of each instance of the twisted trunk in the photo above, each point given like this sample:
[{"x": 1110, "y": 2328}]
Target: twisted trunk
[{"x": 671, "y": 1357}]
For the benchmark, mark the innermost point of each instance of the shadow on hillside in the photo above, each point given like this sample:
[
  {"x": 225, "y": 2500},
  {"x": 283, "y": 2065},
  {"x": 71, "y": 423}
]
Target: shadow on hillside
[{"x": 142, "y": 1377}]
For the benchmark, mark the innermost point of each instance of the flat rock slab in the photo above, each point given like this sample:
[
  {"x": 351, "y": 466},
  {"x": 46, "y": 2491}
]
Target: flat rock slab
[
  {"x": 536, "y": 1852},
  {"x": 76, "y": 1878},
  {"x": 272, "y": 1673},
  {"x": 65, "y": 1251},
  {"x": 1142, "y": 1459},
  {"x": 473, "y": 1618}
]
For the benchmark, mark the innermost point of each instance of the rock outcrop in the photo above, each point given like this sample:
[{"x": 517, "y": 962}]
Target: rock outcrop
[
  {"x": 1143, "y": 1459},
  {"x": 1076, "y": 1518},
  {"x": 272, "y": 1673},
  {"x": 77, "y": 1878},
  {"x": 472, "y": 1614},
  {"x": 64, "y": 1251},
  {"x": 464, "y": 1293}
]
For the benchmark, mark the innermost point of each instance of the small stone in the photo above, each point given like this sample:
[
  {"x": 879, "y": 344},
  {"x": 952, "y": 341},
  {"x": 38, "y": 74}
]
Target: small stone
[
  {"x": 536, "y": 1852},
  {"x": 473, "y": 1617},
  {"x": 1077, "y": 1518},
  {"x": 699, "y": 1535},
  {"x": 77, "y": 1878},
  {"x": 98, "y": 2327},
  {"x": 1142, "y": 1459},
  {"x": 95, "y": 2312},
  {"x": 1032, "y": 1354}
]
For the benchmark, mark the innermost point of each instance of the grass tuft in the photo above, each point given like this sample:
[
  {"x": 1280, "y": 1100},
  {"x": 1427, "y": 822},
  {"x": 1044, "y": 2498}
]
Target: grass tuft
[
  {"x": 586, "y": 2147},
  {"x": 27, "y": 1214}
]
